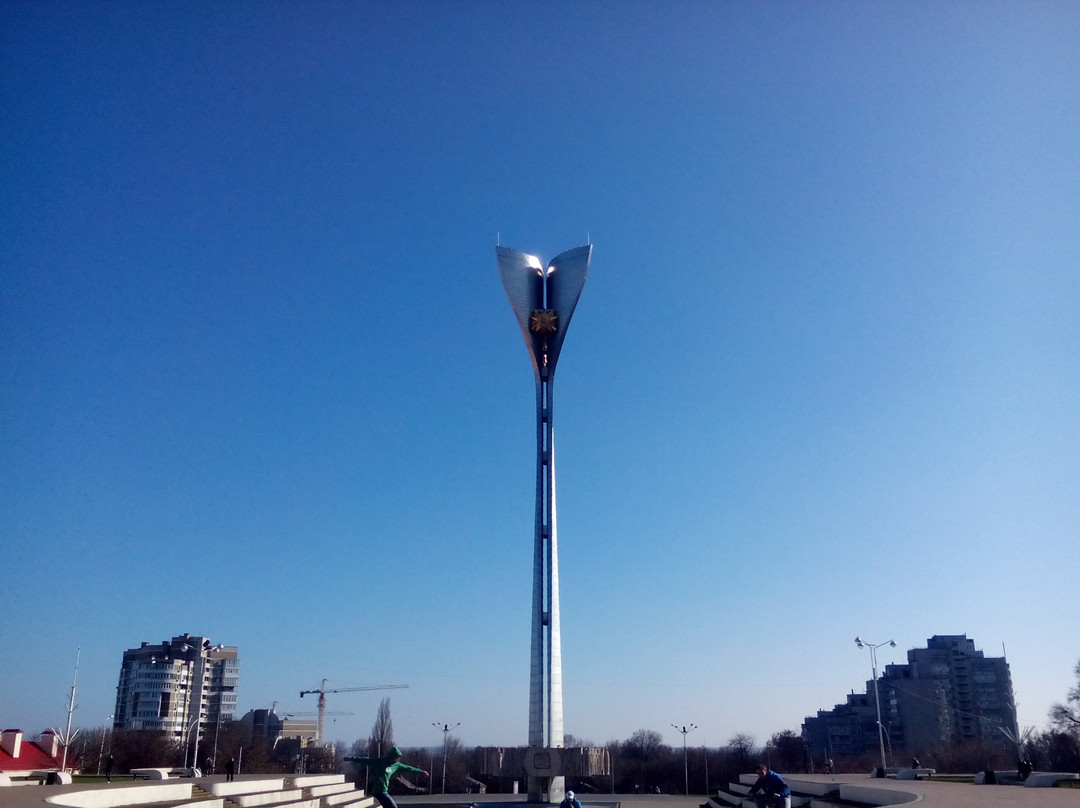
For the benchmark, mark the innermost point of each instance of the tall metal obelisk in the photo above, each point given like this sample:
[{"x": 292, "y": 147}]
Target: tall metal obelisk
[{"x": 543, "y": 298}]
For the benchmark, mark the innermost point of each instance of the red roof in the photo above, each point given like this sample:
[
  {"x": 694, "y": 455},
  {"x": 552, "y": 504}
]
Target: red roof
[{"x": 31, "y": 758}]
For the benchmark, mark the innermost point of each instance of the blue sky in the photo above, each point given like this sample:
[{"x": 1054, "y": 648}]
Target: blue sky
[{"x": 260, "y": 380}]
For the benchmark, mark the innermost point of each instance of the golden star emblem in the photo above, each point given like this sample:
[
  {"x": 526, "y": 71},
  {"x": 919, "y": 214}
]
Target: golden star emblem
[{"x": 544, "y": 321}]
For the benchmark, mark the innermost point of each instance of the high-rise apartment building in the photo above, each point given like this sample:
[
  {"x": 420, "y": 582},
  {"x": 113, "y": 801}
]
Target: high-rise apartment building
[
  {"x": 168, "y": 687},
  {"x": 948, "y": 692}
]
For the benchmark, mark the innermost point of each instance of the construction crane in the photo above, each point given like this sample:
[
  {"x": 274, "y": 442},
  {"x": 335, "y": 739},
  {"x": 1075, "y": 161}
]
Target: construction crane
[
  {"x": 322, "y": 691},
  {"x": 309, "y": 715},
  {"x": 327, "y": 714}
]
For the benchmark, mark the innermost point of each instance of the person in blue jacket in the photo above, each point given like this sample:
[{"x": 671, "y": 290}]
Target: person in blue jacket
[
  {"x": 570, "y": 801},
  {"x": 774, "y": 791}
]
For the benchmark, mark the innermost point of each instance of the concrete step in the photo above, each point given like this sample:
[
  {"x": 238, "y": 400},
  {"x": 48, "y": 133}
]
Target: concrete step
[
  {"x": 353, "y": 799},
  {"x": 333, "y": 788},
  {"x": 267, "y": 798},
  {"x": 308, "y": 780}
]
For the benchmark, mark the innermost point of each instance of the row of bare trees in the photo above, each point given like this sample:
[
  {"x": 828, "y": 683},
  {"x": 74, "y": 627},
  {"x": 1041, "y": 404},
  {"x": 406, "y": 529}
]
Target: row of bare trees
[
  {"x": 642, "y": 763},
  {"x": 92, "y": 749}
]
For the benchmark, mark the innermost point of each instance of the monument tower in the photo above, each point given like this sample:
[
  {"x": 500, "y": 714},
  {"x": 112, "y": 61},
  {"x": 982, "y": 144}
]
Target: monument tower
[{"x": 543, "y": 298}]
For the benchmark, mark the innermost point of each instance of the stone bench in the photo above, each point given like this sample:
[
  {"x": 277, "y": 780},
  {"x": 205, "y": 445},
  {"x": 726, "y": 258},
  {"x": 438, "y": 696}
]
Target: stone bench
[
  {"x": 915, "y": 774},
  {"x": 1048, "y": 779},
  {"x": 1012, "y": 777},
  {"x": 150, "y": 774}
]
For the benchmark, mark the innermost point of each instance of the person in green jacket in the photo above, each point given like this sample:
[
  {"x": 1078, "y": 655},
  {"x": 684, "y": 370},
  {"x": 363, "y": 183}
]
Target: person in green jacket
[{"x": 385, "y": 768}]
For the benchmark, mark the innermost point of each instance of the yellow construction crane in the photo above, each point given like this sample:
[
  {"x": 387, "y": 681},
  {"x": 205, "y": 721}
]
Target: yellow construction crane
[{"x": 322, "y": 691}]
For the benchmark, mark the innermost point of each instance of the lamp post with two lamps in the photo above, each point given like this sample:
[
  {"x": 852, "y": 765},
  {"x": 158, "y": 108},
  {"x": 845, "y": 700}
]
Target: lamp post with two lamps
[
  {"x": 685, "y": 730},
  {"x": 877, "y": 699},
  {"x": 445, "y": 734}
]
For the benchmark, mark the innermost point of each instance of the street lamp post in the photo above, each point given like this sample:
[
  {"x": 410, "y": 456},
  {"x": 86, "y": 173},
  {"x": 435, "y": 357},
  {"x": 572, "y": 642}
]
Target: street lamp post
[
  {"x": 187, "y": 743},
  {"x": 445, "y": 734},
  {"x": 101, "y": 752},
  {"x": 705, "y": 757},
  {"x": 888, "y": 740},
  {"x": 686, "y": 769},
  {"x": 877, "y": 699},
  {"x": 195, "y": 754},
  {"x": 217, "y": 729}
]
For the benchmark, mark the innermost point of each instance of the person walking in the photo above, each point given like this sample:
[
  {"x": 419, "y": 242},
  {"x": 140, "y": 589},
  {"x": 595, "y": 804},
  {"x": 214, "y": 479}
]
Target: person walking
[
  {"x": 230, "y": 770},
  {"x": 385, "y": 768},
  {"x": 774, "y": 791}
]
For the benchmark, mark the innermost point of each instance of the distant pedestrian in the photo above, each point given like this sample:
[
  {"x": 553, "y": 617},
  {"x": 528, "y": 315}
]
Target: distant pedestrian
[
  {"x": 570, "y": 801},
  {"x": 829, "y": 766},
  {"x": 230, "y": 770},
  {"x": 109, "y": 764},
  {"x": 774, "y": 791},
  {"x": 385, "y": 768}
]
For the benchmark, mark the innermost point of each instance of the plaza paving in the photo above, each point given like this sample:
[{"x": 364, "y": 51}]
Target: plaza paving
[
  {"x": 927, "y": 795},
  {"x": 930, "y": 794}
]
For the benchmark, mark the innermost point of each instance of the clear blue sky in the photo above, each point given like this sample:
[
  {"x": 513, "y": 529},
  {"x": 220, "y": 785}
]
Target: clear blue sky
[{"x": 259, "y": 379}]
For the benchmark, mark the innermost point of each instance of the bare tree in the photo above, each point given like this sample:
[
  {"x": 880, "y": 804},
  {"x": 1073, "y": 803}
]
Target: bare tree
[
  {"x": 741, "y": 747},
  {"x": 572, "y": 741},
  {"x": 86, "y": 750},
  {"x": 1066, "y": 717},
  {"x": 786, "y": 751},
  {"x": 644, "y": 744},
  {"x": 382, "y": 732},
  {"x": 642, "y": 751}
]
